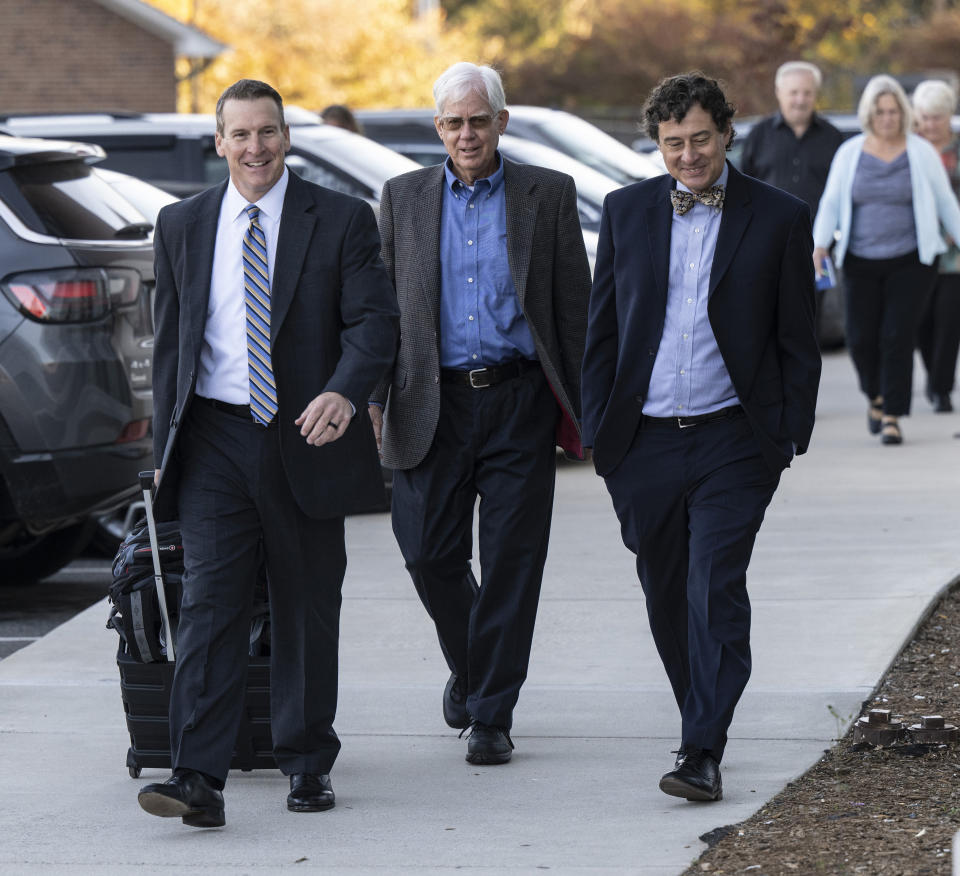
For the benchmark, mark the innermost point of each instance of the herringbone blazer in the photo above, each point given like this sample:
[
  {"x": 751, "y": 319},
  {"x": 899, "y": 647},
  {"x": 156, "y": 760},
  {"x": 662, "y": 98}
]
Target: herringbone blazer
[{"x": 549, "y": 267}]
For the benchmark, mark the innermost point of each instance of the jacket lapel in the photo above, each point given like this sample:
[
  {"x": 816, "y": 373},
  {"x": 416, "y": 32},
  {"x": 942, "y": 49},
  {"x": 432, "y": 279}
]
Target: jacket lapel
[
  {"x": 429, "y": 196},
  {"x": 659, "y": 225},
  {"x": 297, "y": 224},
  {"x": 201, "y": 228},
  {"x": 736, "y": 216},
  {"x": 521, "y": 208}
]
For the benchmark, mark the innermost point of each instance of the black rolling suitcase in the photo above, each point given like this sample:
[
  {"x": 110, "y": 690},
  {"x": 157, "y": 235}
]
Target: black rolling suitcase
[{"x": 146, "y": 571}]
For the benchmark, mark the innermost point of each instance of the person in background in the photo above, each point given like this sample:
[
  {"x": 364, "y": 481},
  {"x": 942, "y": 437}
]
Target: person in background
[
  {"x": 887, "y": 193},
  {"x": 792, "y": 149},
  {"x": 340, "y": 116},
  {"x": 492, "y": 278},
  {"x": 938, "y": 338}
]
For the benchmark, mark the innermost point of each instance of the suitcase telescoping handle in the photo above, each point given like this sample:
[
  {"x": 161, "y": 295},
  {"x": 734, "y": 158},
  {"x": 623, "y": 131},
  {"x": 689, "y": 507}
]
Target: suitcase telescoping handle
[{"x": 146, "y": 484}]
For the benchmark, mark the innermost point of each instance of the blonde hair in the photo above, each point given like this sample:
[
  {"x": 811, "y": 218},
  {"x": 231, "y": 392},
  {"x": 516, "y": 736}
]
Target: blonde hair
[{"x": 876, "y": 88}]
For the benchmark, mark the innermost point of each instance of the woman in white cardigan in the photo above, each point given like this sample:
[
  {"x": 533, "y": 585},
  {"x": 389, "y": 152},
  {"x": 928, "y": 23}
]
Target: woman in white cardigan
[{"x": 887, "y": 194}]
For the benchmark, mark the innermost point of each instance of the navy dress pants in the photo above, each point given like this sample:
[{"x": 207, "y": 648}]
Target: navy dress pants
[
  {"x": 690, "y": 503},
  {"x": 235, "y": 506},
  {"x": 496, "y": 443}
]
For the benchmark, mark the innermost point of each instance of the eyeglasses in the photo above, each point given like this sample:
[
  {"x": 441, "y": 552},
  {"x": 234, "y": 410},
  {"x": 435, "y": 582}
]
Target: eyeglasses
[{"x": 455, "y": 123}]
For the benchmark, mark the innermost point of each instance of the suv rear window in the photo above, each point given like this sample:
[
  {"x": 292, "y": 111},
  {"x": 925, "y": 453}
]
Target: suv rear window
[{"x": 66, "y": 200}]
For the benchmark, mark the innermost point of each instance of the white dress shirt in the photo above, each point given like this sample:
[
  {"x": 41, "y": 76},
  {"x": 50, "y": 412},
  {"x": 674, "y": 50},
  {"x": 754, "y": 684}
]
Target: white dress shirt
[{"x": 223, "y": 370}]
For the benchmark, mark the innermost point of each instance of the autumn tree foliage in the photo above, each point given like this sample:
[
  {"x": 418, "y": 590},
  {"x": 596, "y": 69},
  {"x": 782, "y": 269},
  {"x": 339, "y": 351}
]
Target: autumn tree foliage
[{"x": 570, "y": 53}]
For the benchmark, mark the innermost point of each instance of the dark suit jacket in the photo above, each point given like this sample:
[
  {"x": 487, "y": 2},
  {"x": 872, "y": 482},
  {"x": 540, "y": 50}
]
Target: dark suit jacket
[
  {"x": 333, "y": 326},
  {"x": 760, "y": 305},
  {"x": 549, "y": 267}
]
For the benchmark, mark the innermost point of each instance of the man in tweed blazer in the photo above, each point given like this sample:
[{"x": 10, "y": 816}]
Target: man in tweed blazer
[{"x": 493, "y": 282}]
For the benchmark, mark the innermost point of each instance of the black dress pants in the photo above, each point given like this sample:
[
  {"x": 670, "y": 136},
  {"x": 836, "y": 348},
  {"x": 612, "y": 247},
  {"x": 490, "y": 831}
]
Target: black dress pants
[
  {"x": 885, "y": 299},
  {"x": 690, "y": 503},
  {"x": 497, "y": 443},
  {"x": 939, "y": 334},
  {"x": 235, "y": 506}
]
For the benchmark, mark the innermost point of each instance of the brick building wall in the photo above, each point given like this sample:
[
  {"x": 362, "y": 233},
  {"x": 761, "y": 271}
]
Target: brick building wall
[{"x": 58, "y": 55}]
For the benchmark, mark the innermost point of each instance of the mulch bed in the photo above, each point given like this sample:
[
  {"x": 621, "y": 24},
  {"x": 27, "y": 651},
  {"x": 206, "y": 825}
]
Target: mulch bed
[{"x": 865, "y": 809}]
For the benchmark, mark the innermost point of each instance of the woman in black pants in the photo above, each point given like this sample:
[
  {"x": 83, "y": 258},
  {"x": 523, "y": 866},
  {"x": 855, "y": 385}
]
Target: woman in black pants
[
  {"x": 939, "y": 338},
  {"x": 887, "y": 193}
]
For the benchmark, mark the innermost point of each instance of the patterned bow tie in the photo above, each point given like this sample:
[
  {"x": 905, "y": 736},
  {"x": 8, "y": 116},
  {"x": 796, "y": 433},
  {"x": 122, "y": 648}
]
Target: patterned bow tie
[{"x": 683, "y": 201}]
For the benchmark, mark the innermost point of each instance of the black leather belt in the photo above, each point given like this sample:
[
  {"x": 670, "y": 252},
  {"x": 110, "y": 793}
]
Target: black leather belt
[
  {"x": 226, "y": 407},
  {"x": 730, "y": 413},
  {"x": 481, "y": 378}
]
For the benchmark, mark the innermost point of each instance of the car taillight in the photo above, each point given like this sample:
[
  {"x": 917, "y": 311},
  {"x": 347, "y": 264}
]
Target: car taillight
[{"x": 71, "y": 294}]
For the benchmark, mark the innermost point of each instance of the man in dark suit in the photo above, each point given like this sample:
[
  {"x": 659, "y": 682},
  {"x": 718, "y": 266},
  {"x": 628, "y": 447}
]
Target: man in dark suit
[
  {"x": 700, "y": 381},
  {"x": 492, "y": 279},
  {"x": 274, "y": 321}
]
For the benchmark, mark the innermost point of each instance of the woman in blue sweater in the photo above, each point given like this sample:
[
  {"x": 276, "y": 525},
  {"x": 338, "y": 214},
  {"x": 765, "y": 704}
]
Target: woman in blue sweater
[{"x": 887, "y": 194}]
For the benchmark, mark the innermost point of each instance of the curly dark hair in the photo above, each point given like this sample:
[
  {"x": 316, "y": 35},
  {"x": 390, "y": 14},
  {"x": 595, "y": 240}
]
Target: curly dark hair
[
  {"x": 248, "y": 89},
  {"x": 673, "y": 97}
]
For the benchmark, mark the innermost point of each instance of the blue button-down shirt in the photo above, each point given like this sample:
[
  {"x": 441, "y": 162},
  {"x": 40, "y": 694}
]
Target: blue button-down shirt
[
  {"x": 689, "y": 376},
  {"x": 481, "y": 322}
]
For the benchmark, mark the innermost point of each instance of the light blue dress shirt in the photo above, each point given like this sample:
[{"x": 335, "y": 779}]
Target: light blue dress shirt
[
  {"x": 481, "y": 322},
  {"x": 689, "y": 376}
]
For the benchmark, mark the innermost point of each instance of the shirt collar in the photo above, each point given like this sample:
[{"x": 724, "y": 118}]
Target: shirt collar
[
  {"x": 495, "y": 179},
  {"x": 721, "y": 180},
  {"x": 271, "y": 204},
  {"x": 779, "y": 122}
]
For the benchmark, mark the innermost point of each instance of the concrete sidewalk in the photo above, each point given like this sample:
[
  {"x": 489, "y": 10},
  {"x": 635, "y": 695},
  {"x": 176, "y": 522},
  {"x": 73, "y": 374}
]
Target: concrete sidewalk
[{"x": 857, "y": 541}]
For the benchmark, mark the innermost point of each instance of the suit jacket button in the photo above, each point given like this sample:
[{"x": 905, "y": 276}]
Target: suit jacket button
[
  {"x": 436, "y": 378},
  {"x": 639, "y": 399}
]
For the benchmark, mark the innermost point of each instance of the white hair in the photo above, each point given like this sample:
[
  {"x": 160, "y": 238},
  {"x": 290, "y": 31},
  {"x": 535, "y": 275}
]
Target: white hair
[
  {"x": 876, "y": 88},
  {"x": 790, "y": 67},
  {"x": 463, "y": 79},
  {"x": 935, "y": 97}
]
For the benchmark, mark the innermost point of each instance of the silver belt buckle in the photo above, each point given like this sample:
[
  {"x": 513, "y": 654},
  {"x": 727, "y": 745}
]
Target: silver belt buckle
[
  {"x": 474, "y": 375},
  {"x": 682, "y": 425}
]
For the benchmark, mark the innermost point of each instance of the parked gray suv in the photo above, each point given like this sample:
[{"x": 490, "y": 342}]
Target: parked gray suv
[{"x": 76, "y": 352}]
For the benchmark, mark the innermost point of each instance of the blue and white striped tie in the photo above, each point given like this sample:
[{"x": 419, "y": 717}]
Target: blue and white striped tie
[{"x": 256, "y": 285}]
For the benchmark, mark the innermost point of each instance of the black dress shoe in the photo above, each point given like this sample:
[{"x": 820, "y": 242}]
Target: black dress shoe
[
  {"x": 488, "y": 745},
  {"x": 696, "y": 776},
  {"x": 941, "y": 402},
  {"x": 186, "y": 795},
  {"x": 310, "y": 793},
  {"x": 455, "y": 703}
]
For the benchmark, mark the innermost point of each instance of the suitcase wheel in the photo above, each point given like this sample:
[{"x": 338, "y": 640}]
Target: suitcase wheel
[{"x": 134, "y": 772}]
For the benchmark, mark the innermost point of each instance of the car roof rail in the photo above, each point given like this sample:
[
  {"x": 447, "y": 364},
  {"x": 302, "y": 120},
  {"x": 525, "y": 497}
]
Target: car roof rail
[{"x": 72, "y": 115}]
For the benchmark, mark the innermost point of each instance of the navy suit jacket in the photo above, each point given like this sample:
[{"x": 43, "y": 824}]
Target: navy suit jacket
[
  {"x": 761, "y": 307},
  {"x": 333, "y": 327}
]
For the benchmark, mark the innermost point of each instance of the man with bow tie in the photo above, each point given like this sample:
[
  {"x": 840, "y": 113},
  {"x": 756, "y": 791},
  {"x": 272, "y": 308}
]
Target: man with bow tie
[{"x": 699, "y": 386}]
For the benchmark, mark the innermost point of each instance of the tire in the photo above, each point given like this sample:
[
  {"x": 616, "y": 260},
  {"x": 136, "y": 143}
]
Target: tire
[{"x": 30, "y": 558}]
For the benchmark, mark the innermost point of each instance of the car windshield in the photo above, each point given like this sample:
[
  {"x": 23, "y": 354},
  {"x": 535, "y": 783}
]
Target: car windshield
[
  {"x": 587, "y": 143},
  {"x": 66, "y": 199}
]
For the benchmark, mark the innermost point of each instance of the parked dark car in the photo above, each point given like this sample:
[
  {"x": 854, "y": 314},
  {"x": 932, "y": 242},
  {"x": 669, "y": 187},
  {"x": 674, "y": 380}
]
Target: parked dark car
[
  {"x": 76, "y": 352},
  {"x": 177, "y": 152}
]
